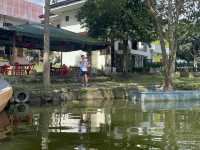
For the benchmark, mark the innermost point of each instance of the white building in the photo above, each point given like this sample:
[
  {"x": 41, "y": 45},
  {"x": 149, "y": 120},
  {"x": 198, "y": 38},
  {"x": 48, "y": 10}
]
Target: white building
[
  {"x": 65, "y": 13},
  {"x": 64, "y": 16}
]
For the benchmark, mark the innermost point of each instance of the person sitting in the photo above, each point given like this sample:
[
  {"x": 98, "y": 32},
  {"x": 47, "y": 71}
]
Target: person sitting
[
  {"x": 64, "y": 70},
  {"x": 52, "y": 69}
]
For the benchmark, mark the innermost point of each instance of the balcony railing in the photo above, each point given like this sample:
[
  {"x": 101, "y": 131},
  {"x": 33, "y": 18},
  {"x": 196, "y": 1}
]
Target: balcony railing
[{"x": 57, "y": 3}]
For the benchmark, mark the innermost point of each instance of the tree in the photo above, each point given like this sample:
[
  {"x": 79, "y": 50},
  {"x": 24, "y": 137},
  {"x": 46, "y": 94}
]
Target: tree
[
  {"x": 118, "y": 20},
  {"x": 46, "y": 66},
  {"x": 167, "y": 16},
  {"x": 188, "y": 42}
]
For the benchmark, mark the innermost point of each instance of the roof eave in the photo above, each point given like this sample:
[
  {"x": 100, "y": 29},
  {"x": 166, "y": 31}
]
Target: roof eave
[{"x": 67, "y": 6}]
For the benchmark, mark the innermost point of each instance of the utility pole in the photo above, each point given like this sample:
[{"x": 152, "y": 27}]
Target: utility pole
[{"x": 46, "y": 65}]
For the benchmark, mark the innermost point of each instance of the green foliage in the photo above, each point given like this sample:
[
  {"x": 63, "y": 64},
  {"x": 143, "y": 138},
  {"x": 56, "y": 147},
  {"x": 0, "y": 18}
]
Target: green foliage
[
  {"x": 117, "y": 19},
  {"x": 3, "y": 59},
  {"x": 189, "y": 37}
]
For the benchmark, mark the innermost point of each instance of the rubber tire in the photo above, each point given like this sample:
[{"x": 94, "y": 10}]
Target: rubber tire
[
  {"x": 24, "y": 97},
  {"x": 21, "y": 110}
]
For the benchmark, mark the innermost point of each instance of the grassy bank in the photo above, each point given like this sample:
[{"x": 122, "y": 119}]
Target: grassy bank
[{"x": 143, "y": 80}]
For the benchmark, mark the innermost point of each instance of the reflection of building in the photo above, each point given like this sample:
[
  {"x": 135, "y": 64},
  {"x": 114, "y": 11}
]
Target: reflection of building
[
  {"x": 66, "y": 122},
  {"x": 125, "y": 127},
  {"x": 77, "y": 123},
  {"x": 97, "y": 119}
]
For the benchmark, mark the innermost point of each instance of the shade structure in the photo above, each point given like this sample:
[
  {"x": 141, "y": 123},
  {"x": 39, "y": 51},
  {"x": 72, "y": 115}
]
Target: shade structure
[
  {"x": 32, "y": 35},
  {"x": 5, "y": 37}
]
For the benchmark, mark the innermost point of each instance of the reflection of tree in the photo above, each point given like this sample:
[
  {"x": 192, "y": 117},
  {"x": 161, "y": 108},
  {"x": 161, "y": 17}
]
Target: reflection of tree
[
  {"x": 170, "y": 128},
  {"x": 187, "y": 129},
  {"x": 44, "y": 126},
  {"x": 5, "y": 125}
]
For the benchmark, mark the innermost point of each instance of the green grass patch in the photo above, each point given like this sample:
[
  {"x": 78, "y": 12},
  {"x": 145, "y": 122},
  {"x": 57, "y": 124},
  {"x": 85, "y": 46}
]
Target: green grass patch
[
  {"x": 39, "y": 67},
  {"x": 144, "y": 80},
  {"x": 140, "y": 79}
]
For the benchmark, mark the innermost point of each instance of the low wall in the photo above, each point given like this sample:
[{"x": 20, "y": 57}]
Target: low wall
[
  {"x": 65, "y": 94},
  {"x": 152, "y": 96}
]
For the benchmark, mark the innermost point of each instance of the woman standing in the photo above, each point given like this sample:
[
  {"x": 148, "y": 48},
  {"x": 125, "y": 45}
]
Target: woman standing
[{"x": 84, "y": 70}]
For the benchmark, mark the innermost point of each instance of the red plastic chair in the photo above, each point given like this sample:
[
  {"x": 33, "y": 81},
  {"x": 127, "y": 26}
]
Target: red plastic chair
[
  {"x": 29, "y": 68},
  {"x": 19, "y": 69},
  {"x": 64, "y": 71},
  {"x": 5, "y": 69}
]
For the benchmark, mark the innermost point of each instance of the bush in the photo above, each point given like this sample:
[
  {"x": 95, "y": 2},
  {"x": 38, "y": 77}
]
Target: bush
[{"x": 184, "y": 73}]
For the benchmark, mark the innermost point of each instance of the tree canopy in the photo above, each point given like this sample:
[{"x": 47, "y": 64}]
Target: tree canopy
[
  {"x": 189, "y": 36},
  {"x": 168, "y": 16},
  {"x": 117, "y": 19}
]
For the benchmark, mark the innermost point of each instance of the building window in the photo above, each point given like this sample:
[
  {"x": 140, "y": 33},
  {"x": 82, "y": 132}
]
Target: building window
[
  {"x": 53, "y": 2},
  {"x": 6, "y": 24},
  {"x": 134, "y": 44},
  {"x": 67, "y": 18},
  {"x": 121, "y": 46},
  {"x": 2, "y": 52},
  {"x": 144, "y": 46},
  {"x": 58, "y": 26},
  {"x": 20, "y": 52}
]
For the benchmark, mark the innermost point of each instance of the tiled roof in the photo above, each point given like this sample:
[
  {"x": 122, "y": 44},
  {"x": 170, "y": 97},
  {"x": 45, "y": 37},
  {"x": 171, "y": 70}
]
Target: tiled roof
[{"x": 63, "y": 3}]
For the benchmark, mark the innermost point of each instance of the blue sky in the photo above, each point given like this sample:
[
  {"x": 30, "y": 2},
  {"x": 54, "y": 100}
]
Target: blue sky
[{"x": 38, "y": 1}]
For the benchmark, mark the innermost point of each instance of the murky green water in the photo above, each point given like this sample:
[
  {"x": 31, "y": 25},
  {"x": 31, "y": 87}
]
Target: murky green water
[{"x": 102, "y": 125}]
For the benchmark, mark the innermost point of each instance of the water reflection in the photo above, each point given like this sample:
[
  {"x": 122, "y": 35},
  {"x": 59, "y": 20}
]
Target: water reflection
[
  {"x": 76, "y": 121},
  {"x": 44, "y": 128},
  {"x": 99, "y": 126},
  {"x": 5, "y": 125}
]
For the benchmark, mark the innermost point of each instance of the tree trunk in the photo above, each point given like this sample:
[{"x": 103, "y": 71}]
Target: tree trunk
[
  {"x": 170, "y": 65},
  {"x": 113, "y": 56},
  {"x": 14, "y": 50},
  {"x": 168, "y": 77},
  {"x": 168, "y": 59},
  {"x": 46, "y": 67},
  {"x": 195, "y": 63},
  {"x": 125, "y": 57}
]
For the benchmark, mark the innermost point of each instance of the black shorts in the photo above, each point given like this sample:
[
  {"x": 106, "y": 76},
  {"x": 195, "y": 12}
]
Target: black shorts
[{"x": 83, "y": 73}]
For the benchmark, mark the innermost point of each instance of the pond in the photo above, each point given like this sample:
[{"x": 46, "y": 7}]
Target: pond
[{"x": 102, "y": 125}]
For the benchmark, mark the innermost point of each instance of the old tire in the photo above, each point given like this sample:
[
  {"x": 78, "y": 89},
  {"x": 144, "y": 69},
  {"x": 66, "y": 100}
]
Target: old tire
[{"x": 21, "y": 97}]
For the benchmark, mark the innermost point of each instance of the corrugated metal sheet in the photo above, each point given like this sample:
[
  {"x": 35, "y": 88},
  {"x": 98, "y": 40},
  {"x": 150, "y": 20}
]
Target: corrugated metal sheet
[{"x": 21, "y": 9}]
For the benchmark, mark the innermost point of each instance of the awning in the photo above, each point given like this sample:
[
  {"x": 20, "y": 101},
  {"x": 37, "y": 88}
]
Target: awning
[
  {"x": 5, "y": 37},
  {"x": 32, "y": 35}
]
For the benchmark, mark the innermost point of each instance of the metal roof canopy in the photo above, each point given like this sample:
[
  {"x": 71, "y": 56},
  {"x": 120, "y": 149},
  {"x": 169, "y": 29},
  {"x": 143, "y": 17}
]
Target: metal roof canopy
[{"x": 31, "y": 36}]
